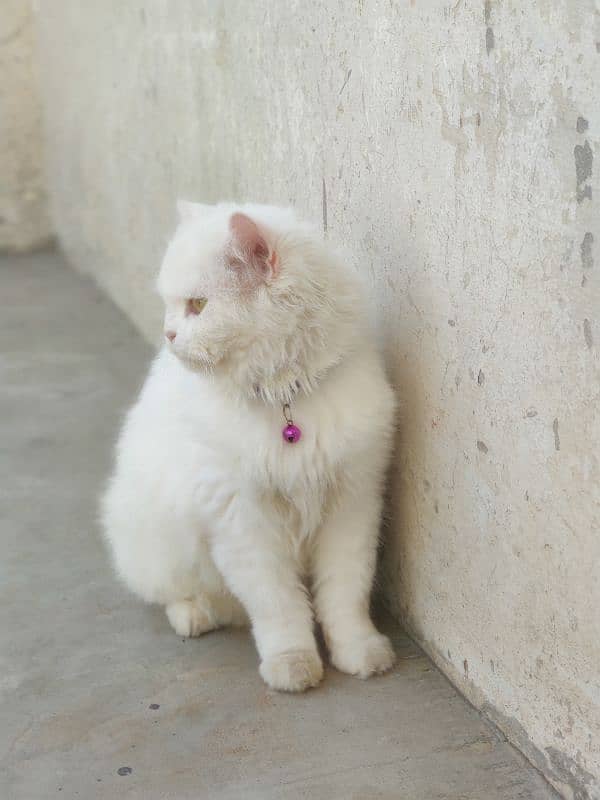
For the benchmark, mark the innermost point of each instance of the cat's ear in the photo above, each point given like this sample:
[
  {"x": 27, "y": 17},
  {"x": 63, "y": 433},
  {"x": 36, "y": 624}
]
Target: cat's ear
[
  {"x": 188, "y": 210},
  {"x": 251, "y": 248}
]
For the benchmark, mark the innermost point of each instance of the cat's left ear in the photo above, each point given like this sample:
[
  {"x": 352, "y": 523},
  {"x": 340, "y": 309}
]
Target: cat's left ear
[{"x": 251, "y": 245}]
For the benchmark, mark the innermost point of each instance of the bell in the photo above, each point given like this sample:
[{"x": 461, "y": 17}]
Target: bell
[{"x": 291, "y": 433}]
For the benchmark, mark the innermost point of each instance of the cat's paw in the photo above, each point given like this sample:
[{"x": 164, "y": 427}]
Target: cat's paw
[
  {"x": 189, "y": 618},
  {"x": 292, "y": 671},
  {"x": 364, "y": 656}
]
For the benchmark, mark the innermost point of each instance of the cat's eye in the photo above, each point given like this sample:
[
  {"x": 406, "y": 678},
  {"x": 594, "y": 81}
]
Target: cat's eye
[{"x": 195, "y": 305}]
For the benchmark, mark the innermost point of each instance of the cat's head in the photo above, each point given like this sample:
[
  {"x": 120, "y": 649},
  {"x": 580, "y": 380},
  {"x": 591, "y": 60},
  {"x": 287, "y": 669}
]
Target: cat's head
[{"x": 252, "y": 292}]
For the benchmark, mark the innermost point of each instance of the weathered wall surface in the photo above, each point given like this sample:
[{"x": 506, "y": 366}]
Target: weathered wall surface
[
  {"x": 451, "y": 145},
  {"x": 24, "y": 221}
]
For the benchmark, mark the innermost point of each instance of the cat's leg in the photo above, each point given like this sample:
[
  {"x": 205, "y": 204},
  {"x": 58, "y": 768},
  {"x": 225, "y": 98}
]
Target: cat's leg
[
  {"x": 343, "y": 568},
  {"x": 167, "y": 560},
  {"x": 257, "y": 563},
  {"x": 205, "y": 612}
]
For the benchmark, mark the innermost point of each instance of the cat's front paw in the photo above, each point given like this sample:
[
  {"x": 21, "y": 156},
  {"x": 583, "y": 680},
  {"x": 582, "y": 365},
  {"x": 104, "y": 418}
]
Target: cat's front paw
[
  {"x": 189, "y": 618},
  {"x": 364, "y": 656},
  {"x": 292, "y": 671}
]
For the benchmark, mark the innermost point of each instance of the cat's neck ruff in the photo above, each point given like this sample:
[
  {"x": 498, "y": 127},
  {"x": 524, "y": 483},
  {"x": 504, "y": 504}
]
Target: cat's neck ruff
[
  {"x": 283, "y": 393},
  {"x": 284, "y": 389},
  {"x": 292, "y": 381}
]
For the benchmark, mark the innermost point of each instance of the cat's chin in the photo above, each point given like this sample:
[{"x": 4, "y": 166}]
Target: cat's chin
[{"x": 195, "y": 363}]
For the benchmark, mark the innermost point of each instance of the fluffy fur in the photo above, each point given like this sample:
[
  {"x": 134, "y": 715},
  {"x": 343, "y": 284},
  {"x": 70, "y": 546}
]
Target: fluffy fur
[{"x": 209, "y": 511}]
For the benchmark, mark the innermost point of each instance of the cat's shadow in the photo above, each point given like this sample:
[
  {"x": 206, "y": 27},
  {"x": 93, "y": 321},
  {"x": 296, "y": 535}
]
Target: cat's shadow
[{"x": 395, "y": 581}]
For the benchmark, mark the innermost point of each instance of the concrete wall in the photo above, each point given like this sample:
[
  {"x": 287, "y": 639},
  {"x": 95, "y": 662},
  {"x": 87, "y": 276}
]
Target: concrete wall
[
  {"x": 451, "y": 145},
  {"x": 24, "y": 221}
]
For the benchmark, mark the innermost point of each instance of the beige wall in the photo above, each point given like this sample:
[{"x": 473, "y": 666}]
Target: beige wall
[
  {"x": 451, "y": 145},
  {"x": 24, "y": 221}
]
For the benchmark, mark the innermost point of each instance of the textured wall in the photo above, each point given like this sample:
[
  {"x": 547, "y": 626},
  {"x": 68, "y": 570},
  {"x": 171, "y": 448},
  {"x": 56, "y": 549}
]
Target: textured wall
[
  {"x": 451, "y": 145},
  {"x": 24, "y": 219}
]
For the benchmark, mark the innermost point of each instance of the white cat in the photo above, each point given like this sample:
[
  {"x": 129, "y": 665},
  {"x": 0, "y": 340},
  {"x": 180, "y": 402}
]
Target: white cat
[{"x": 214, "y": 513}]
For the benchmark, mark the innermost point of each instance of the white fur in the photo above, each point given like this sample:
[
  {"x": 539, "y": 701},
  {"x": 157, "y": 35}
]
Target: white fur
[{"x": 209, "y": 511}]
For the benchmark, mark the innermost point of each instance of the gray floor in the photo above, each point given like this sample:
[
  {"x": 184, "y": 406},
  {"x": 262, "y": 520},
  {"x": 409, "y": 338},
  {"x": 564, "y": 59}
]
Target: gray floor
[{"x": 99, "y": 698}]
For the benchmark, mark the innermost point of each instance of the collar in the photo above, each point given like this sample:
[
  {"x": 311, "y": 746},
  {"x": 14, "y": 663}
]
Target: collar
[{"x": 286, "y": 386}]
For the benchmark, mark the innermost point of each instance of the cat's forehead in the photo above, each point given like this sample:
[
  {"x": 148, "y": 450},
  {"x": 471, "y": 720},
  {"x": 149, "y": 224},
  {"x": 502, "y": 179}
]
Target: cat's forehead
[{"x": 194, "y": 261}]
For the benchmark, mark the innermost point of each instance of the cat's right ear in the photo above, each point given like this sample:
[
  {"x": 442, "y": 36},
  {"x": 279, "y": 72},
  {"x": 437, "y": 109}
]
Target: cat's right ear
[
  {"x": 188, "y": 210},
  {"x": 254, "y": 254}
]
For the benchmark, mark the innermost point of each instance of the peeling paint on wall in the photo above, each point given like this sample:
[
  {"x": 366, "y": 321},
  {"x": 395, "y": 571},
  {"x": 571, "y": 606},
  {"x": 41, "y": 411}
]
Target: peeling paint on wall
[
  {"x": 587, "y": 333},
  {"x": 584, "y": 160},
  {"x": 587, "y": 256},
  {"x": 556, "y": 436}
]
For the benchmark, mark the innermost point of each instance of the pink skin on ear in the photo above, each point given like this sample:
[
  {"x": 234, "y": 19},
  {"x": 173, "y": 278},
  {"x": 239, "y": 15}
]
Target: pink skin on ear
[{"x": 250, "y": 244}]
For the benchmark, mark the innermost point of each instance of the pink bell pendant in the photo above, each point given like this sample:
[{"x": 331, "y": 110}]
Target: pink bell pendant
[{"x": 291, "y": 433}]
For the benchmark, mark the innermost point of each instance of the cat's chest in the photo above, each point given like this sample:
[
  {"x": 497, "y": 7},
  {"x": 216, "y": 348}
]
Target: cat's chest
[
  {"x": 247, "y": 440},
  {"x": 246, "y": 443},
  {"x": 259, "y": 440}
]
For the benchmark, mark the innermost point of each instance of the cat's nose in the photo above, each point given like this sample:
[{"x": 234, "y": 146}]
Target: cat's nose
[{"x": 170, "y": 335}]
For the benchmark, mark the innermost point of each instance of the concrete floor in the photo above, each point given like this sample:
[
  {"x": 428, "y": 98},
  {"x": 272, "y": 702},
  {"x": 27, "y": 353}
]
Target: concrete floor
[{"x": 99, "y": 697}]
